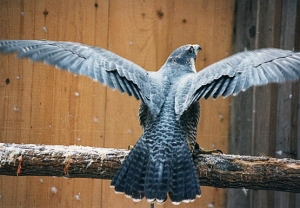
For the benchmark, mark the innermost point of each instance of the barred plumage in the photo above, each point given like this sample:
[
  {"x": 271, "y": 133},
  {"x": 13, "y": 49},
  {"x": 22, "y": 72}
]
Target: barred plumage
[{"x": 161, "y": 164}]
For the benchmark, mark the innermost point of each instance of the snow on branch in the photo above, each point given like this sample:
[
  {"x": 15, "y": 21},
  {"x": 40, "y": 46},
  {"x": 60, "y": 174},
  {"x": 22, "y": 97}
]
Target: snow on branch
[{"x": 217, "y": 170}]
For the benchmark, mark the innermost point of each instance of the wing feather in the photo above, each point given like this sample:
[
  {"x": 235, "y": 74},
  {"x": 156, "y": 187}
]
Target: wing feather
[
  {"x": 223, "y": 86},
  {"x": 97, "y": 63},
  {"x": 238, "y": 72},
  {"x": 231, "y": 87}
]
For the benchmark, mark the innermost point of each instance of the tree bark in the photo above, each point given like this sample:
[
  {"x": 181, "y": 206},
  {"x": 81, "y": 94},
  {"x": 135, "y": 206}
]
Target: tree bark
[{"x": 217, "y": 170}]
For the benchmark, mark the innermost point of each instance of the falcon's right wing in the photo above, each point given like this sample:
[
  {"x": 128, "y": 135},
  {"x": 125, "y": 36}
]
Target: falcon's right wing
[
  {"x": 96, "y": 63},
  {"x": 239, "y": 72}
]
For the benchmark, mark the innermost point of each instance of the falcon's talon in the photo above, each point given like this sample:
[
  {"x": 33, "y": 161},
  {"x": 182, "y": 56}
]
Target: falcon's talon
[
  {"x": 169, "y": 110},
  {"x": 130, "y": 147},
  {"x": 199, "y": 150},
  {"x": 212, "y": 151}
]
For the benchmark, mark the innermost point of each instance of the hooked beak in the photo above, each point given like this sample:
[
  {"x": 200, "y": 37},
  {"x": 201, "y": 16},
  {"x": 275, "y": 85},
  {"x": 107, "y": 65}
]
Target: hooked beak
[{"x": 197, "y": 48}]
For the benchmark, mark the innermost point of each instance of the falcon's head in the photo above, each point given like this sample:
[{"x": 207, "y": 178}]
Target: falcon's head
[{"x": 185, "y": 55}]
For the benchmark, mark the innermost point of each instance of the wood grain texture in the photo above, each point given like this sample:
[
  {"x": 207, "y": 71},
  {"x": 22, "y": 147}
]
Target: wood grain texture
[
  {"x": 217, "y": 170},
  {"x": 47, "y": 106},
  {"x": 273, "y": 110},
  {"x": 241, "y": 118},
  {"x": 287, "y": 99},
  {"x": 265, "y": 98}
]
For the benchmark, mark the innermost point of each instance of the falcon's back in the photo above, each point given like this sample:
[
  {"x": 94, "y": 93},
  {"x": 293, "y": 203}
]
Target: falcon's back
[{"x": 161, "y": 161}]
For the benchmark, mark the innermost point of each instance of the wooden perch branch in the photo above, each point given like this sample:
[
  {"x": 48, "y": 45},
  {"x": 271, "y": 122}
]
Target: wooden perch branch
[{"x": 224, "y": 171}]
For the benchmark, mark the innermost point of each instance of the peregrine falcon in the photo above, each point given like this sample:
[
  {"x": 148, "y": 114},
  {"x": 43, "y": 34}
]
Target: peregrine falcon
[{"x": 161, "y": 164}]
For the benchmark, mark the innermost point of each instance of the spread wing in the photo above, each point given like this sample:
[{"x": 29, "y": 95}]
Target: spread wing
[
  {"x": 97, "y": 63},
  {"x": 239, "y": 72}
]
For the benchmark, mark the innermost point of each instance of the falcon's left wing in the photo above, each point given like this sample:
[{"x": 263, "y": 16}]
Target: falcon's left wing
[
  {"x": 239, "y": 72},
  {"x": 97, "y": 63}
]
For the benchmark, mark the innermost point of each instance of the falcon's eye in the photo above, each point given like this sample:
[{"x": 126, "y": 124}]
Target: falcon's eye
[{"x": 191, "y": 49}]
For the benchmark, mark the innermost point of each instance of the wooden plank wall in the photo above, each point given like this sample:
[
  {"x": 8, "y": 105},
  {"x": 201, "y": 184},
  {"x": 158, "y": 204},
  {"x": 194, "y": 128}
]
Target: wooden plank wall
[
  {"x": 266, "y": 120},
  {"x": 42, "y": 105}
]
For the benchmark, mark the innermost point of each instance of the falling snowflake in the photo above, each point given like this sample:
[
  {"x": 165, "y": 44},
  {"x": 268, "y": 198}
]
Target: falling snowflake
[{"x": 53, "y": 190}]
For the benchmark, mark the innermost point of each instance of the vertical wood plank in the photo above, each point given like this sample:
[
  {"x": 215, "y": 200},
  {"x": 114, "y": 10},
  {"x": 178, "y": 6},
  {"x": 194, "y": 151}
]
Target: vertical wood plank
[
  {"x": 241, "y": 123},
  {"x": 16, "y": 101},
  {"x": 268, "y": 35},
  {"x": 285, "y": 141}
]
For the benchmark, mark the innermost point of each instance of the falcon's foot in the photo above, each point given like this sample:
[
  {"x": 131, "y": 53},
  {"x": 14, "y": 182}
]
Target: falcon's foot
[
  {"x": 198, "y": 150},
  {"x": 130, "y": 147}
]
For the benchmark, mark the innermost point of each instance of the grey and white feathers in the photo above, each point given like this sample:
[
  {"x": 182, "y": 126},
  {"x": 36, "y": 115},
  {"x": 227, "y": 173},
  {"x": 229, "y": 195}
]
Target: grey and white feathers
[
  {"x": 229, "y": 76},
  {"x": 161, "y": 163}
]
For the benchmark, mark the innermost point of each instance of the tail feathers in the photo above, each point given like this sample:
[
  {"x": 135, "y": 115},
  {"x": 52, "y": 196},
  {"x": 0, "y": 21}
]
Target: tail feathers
[
  {"x": 157, "y": 171},
  {"x": 186, "y": 185},
  {"x": 129, "y": 179},
  {"x": 158, "y": 176}
]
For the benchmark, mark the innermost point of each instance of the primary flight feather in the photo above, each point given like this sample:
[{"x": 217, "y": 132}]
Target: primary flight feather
[{"x": 161, "y": 163}]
